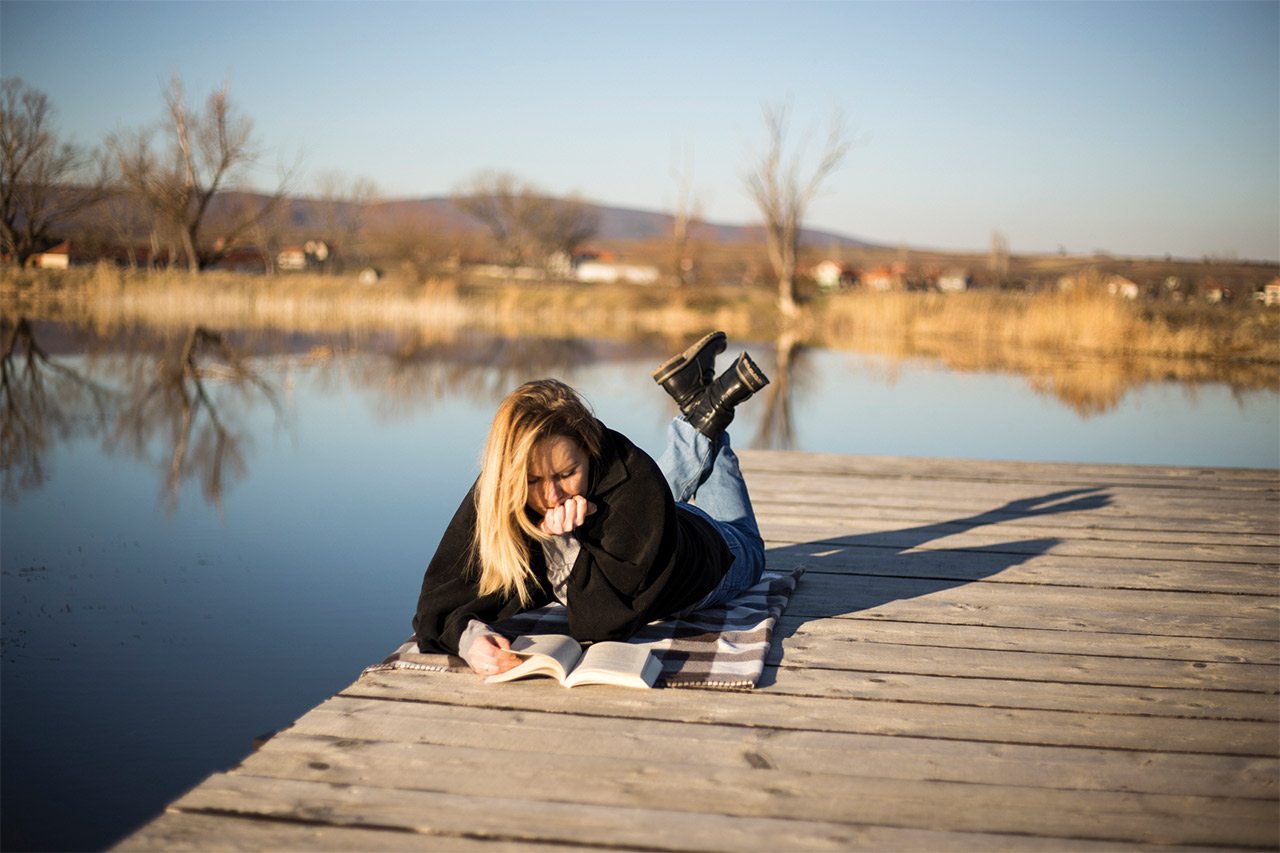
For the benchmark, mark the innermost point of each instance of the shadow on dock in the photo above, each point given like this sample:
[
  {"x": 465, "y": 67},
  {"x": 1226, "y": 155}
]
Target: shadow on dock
[{"x": 850, "y": 574}]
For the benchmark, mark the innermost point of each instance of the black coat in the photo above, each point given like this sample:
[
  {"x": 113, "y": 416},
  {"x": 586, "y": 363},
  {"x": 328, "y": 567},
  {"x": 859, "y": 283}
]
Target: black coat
[{"x": 642, "y": 558}]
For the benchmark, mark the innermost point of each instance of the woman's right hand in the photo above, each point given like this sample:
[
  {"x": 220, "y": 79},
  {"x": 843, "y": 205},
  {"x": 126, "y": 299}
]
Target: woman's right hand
[
  {"x": 568, "y": 516},
  {"x": 489, "y": 655}
]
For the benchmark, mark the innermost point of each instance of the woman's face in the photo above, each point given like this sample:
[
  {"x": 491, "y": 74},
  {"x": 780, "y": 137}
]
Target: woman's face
[{"x": 558, "y": 469}]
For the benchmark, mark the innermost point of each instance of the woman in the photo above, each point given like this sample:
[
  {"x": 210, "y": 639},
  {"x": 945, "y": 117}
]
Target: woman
[{"x": 567, "y": 509}]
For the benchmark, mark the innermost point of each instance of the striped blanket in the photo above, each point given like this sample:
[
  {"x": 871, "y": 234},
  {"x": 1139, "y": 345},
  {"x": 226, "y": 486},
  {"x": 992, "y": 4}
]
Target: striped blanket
[{"x": 720, "y": 647}]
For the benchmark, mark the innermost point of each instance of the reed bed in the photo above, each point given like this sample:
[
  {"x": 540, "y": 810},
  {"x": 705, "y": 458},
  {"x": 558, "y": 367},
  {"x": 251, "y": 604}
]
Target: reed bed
[
  {"x": 106, "y": 298},
  {"x": 1078, "y": 322},
  {"x": 983, "y": 326},
  {"x": 1084, "y": 348}
]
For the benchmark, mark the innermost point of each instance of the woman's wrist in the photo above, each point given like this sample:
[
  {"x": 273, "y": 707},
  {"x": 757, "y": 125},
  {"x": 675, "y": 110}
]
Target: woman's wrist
[{"x": 475, "y": 629}]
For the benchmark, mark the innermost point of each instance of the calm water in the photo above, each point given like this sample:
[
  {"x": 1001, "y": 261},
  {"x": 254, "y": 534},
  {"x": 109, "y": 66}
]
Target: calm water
[{"x": 159, "y": 615}]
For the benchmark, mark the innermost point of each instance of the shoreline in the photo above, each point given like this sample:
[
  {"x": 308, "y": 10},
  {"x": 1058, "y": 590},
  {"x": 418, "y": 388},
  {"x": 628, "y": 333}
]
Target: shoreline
[{"x": 978, "y": 326}]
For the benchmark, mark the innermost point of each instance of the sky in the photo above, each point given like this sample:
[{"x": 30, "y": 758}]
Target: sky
[{"x": 1146, "y": 128}]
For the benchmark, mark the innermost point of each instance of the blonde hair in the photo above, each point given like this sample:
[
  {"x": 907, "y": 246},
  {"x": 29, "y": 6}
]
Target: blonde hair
[{"x": 534, "y": 411}]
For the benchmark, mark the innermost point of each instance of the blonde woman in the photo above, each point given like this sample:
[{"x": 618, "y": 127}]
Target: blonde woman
[{"x": 567, "y": 509}]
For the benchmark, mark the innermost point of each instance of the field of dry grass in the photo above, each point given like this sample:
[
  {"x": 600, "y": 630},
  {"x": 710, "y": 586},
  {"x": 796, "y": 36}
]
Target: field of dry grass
[
  {"x": 1080, "y": 322},
  {"x": 978, "y": 326},
  {"x": 107, "y": 298},
  {"x": 1083, "y": 347}
]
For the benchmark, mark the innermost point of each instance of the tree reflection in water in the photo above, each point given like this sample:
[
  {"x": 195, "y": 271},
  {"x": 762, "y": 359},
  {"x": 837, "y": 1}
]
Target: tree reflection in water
[
  {"x": 790, "y": 369},
  {"x": 179, "y": 407},
  {"x": 421, "y": 371},
  {"x": 170, "y": 403},
  {"x": 185, "y": 403},
  {"x": 41, "y": 401}
]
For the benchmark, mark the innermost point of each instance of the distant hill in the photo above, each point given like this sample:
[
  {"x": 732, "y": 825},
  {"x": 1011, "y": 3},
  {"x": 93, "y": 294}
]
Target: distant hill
[{"x": 616, "y": 223}]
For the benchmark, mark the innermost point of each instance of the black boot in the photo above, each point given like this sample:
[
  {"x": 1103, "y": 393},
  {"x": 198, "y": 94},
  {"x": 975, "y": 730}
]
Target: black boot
[
  {"x": 686, "y": 375},
  {"x": 713, "y": 410}
]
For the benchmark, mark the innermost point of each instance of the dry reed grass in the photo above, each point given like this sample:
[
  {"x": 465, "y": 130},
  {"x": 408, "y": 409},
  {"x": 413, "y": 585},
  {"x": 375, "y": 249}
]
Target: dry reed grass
[
  {"x": 981, "y": 327},
  {"x": 1079, "y": 322},
  {"x": 107, "y": 298},
  {"x": 1083, "y": 347}
]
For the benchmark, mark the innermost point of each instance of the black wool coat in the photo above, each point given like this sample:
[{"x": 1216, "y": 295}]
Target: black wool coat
[{"x": 642, "y": 558}]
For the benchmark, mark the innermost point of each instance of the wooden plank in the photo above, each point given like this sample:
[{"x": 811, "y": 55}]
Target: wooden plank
[
  {"x": 1039, "y": 569},
  {"x": 856, "y": 630},
  {"x": 763, "y": 708},
  {"x": 1124, "y": 611},
  {"x": 940, "y": 468},
  {"x": 844, "y": 531},
  {"x": 706, "y": 745},
  {"x": 841, "y": 521},
  {"x": 180, "y": 831},
  {"x": 828, "y": 651},
  {"x": 1010, "y": 500},
  {"x": 959, "y": 612},
  {"x": 943, "y": 612},
  {"x": 998, "y": 491},
  {"x": 508, "y": 819},
  {"x": 1111, "y": 522},
  {"x": 992, "y": 503},
  {"x": 1203, "y": 520},
  {"x": 1036, "y": 479},
  {"x": 758, "y": 792},
  {"x": 995, "y": 692}
]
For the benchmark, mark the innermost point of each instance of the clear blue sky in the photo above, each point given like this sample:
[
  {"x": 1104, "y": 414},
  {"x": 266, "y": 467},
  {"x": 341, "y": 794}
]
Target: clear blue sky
[{"x": 1137, "y": 128}]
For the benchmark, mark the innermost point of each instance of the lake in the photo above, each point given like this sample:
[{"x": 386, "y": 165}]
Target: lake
[{"x": 189, "y": 564}]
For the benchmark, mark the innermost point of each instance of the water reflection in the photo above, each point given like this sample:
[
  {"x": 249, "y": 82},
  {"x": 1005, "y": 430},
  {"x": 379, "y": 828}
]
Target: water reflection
[
  {"x": 175, "y": 402},
  {"x": 790, "y": 368},
  {"x": 188, "y": 404},
  {"x": 184, "y": 404},
  {"x": 420, "y": 371},
  {"x": 41, "y": 402},
  {"x": 1088, "y": 386}
]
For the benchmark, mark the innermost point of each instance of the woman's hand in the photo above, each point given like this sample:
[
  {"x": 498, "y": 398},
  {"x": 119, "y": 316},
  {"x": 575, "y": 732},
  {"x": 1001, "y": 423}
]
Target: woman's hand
[
  {"x": 567, "y": 517},
  {"x": 488, "y": 655}
]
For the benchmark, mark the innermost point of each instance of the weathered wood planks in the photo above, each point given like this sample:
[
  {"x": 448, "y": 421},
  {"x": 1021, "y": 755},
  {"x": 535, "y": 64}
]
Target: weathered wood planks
[{"x": 981, "y": 656}]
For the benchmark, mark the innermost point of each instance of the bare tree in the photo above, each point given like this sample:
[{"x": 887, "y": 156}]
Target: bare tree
[
  {"x": 345, "y": 204},
  {"x": 775, "y": 184},
  {"x": 492, "y": 199},
  {"x": 126, "y": 219},
  {"x": 269, "y": 233},
  {"x": 998, "y": 260},
  {"x": 423, "y": 247},
  {"x": 558, "y": 225},
  {"x": 44, "y": 183},
  {"x": 684, "y": 221},
  {"x": 527, "y": 225},
  {"x": 210, "y": 153}
]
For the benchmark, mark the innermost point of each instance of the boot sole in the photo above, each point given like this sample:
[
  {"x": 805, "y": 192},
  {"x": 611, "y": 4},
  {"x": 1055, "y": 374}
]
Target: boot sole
[
  {"x": 671, "y": 366},
  {"x": 754, "y": 377}
]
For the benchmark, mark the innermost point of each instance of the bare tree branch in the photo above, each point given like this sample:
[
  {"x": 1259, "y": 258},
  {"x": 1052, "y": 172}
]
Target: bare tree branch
[
  {"x": 44, "y": 183},
  {"x": 775, "y": 184},
  {"x": 210, "y": 153},
  {"x": 527, "y": 225}
]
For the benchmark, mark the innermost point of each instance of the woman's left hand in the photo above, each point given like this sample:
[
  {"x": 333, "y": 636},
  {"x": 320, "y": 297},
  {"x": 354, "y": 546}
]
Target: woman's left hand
[{"x": 567, "y": 517}]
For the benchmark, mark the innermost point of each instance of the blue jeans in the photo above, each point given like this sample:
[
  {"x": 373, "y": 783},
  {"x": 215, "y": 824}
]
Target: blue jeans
[{"x": 697, "y": 468}]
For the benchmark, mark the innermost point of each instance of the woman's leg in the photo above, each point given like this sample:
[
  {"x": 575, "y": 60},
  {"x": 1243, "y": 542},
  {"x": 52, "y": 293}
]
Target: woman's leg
[
  {"x": 686, "y": 460},
  {"x": 695, "y": 467}
]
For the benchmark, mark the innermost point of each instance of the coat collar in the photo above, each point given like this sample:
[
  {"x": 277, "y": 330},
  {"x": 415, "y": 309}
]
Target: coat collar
[{"x": 610, "y": 470}]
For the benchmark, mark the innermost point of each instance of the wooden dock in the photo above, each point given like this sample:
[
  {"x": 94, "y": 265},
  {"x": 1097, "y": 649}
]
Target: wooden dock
[{"x": 980, "y": 656}]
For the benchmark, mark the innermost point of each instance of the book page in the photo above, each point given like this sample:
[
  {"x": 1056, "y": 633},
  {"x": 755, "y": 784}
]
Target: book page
[
  {"x": 622, "y": 664},
  {"x": 545, "y": 654}
]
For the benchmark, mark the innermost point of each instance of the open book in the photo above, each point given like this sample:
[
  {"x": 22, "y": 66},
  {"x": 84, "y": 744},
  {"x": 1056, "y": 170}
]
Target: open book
[{"x": 562, "y": 658}]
